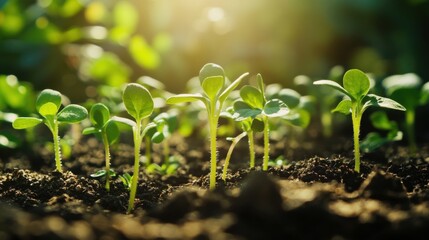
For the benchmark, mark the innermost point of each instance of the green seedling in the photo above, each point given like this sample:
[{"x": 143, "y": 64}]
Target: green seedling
[
  {"x": 139, "y": 104},
  {"x": 47, "y": 104},
  {"x": 168, "y": 167},
  {"x": 106, "y": 130},
  {"x": 255, "y": 105},
  {"x": 212, "y": 81},
  {"x": 357, "y": 100},
  {"x": 407, "y": 89},
  {"x": 375, "y": 140}
]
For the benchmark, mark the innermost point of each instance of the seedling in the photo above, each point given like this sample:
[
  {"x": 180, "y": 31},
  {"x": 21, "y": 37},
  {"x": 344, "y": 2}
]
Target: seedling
[
  {"x": 212, "y": 80},
  {"x": 254, "y": 104},
  {"x": 47, "y": 104},
  {"x": 407, "y": 90},
  {"x": 357, "y": 100},
  {"x": 139, "y": 104},
  {"x": 127, "y": 180},
  {"x": 105, "y": 129},
  {"x": 374, "y": 140}
]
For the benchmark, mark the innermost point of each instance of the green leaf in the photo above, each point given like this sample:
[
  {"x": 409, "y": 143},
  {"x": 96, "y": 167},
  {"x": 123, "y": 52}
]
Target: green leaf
[
  {"x": 72, "y": 113},
  {"x": 380, "y": 121},
  {"x": 333, "y": 85},
  {"x": 408, "y": 97},
  {"x": 298, "y": 117},
  {"x": 261, "y": 85},
  {"x": 125, "y": 121},
  {"x": 275, "y": 108},
  {"x": 90, "y": 130},
  {"x": 26, "y": 122},
  {"x": 344, "y": 107},
  {"x": 377, "y": 101},
  {"x": 99, "y": 173},
  {"x": 48, "y": 96},
  {"x": 252, "y": 96},
  {"x": 231, "y": 87},
  {"x": 210, "y": 70},
  {"x": 244, "y": 110},
  {"x": 112, "y": 131},
  {"x": 212, "y": 86},
  {"x": 394, "y": 82},
  {"x": 48, "y": 109},
  {"x": 356, "y": 83},
  {"x": 184, "y": 98},
  {"x": 158, "y": 137},
  {"x": 372, "y": 141},
  {"x": 99, "y": 114},
  {"x": 138, "y": 101}
]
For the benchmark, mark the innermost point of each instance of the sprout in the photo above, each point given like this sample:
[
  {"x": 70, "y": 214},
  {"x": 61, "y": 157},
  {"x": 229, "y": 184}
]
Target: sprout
[
  {"x": 357, "y": 100},
  {"x": 47, "y": 105},
  {"x": 107, "y": 130},
  {"x": 139, "y": 104},
  {"x": 212, "y": 81}
]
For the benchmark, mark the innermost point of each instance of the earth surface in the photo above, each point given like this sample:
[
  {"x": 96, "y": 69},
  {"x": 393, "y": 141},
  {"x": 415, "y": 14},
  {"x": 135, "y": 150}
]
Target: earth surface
[{"x": 314, "y": 194}]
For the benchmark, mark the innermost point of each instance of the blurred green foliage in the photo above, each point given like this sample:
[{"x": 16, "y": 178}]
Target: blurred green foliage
[{"x": 75, "y": 46}]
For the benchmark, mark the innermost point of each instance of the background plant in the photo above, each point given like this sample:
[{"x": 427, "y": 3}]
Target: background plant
[
  {"x": 357, "y": 100},
  {"x": 47, "y": 104},
  {"x": 106, "y": 130},
  {"x": 212, "y": 80},
  {"x": 139, "y": 104},
  {"x": 407, "y": 89}
]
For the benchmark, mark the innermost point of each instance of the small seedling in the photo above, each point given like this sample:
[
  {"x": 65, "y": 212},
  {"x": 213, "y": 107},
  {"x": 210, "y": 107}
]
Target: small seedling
[
  {"x": 374, "y": 140},
  {"x": 105, "y": 129},
  {"x": 357, "y": 100},
  {"x": 407, "y": 89},
  {"x": 254, "y": 104},
  {"x": 47, "y": 104},
  {"x": 212, "y": 80},
  {"x": 139, "y": 104},
  {"x": 127, "y": 180}
]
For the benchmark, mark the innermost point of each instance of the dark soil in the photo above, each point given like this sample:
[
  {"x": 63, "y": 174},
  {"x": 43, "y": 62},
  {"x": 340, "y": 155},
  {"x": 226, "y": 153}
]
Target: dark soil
[{"x": 315, "y": 196}]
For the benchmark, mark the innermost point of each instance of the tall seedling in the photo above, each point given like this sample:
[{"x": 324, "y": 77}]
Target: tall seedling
[
  {"x": 47, "y": 105},
  {"x": 105, "y": 129},
  {"x": 357, "y": 100},
  {"x": 212, "y": 80},
  {"x": 139, "y": 104}
]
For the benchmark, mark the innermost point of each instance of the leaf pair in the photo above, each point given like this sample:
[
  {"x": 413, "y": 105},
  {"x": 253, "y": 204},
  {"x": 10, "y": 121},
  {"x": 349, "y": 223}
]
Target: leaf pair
[
  {"x": 47, "y": 104},
  {"x": 102, "y": 123},
  {"x": 254, "y": 103}
]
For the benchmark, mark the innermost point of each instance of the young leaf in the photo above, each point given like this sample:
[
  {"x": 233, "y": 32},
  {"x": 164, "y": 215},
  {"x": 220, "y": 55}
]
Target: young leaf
[
  {"x": 210, "y": 70},
  {"x": 138, "y": 101},
  {"x": 424, "y": 95},
  {"x": 275, "y": 108},
  {"x": 99, "y": 114},
  {"x": 374, "y": 100},
  {"x": 244, "y": 110},
  {"x": 261, "y": 84},
  {"x": 380, "y": 120},
  {"x": 356, "y": 83},
  {"x": 72, "y": 113},
  {"x": 90, "y": 130},
  {"x": 48, "y": 96},
  {"x": 344, "y": 107},
  {"x": 48, "y": 109},
  {"x": 231, "y": 87},
  {"x": 333, "y": 85},
  {"x": 184, "y": 98},
  {"x": 252, "y": 96},
  {"x": 26, "y": 122},
  {"x": 112, "y": 131},
  {"x": 290, "y": 97},
  {"x": 257, "y": 125},
  {"x": 212, "y": 86},
  {"x": 125, "y": 121}
]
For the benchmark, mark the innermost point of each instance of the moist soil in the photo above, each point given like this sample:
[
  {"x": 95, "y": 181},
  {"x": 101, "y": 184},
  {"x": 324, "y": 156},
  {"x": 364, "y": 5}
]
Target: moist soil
[{"x": 315, "y": 195}]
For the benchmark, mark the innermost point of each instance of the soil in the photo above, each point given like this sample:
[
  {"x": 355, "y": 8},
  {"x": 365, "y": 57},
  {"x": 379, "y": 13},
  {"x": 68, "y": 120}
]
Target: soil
[{"x": 316, "y": 195}]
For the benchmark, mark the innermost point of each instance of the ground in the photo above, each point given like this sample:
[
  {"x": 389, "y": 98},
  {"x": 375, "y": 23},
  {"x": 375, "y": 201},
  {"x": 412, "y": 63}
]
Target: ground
[{"x": 316, "y": 195}]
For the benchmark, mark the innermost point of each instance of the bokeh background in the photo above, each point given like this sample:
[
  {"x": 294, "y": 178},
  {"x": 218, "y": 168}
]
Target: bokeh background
[{"x": 76, "y": 45}]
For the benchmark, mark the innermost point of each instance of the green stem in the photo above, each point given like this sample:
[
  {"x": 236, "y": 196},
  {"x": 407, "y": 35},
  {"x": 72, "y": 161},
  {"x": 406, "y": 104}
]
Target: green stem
[
  {"x": 137, "y": 142},
  {"x": 107, "y": 160},
  {"x": 326, "y": 120},
  {"x": 409, "y": 120},
  {"x": 356, "y": 119},
  {"x": 213, "y": 146},
  {"x": 228, "y": 155},
  {"x": 266, "y": 143},
  {"x": 57, "y": 150},
  {"x": 251, "y": 148}
]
